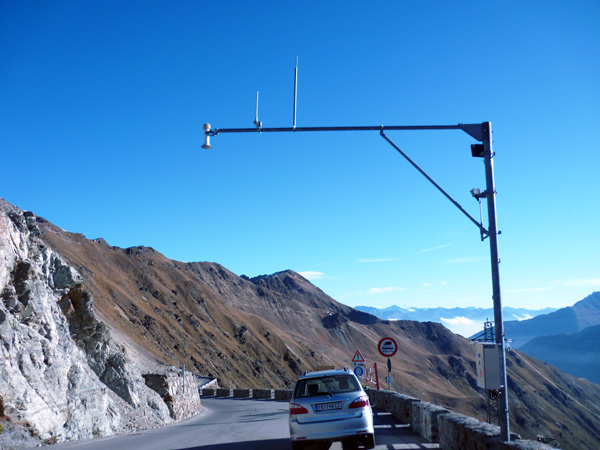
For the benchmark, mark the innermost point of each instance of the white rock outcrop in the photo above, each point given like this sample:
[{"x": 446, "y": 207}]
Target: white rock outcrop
[{"x": 60, "y": 375}]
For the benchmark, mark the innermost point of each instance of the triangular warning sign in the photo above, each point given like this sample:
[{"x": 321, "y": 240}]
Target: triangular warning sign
[{"x": 358, "y": 357}]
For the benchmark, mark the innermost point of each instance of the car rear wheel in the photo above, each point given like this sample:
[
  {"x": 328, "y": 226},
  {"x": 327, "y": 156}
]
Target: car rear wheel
[
  {"x": 312, "y": 446},
  {"x": 370, "y": 441},
  {"x": 320, "y": 446},
  {"x": 350, "y": 444}
]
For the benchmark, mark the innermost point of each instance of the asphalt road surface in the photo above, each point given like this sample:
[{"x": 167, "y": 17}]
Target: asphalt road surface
[{"x": 241, "y": 424}]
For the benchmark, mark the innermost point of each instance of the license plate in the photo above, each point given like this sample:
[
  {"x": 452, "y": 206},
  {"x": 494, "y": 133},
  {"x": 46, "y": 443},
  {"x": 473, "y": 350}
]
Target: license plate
[{"x": 328, "y": 406}]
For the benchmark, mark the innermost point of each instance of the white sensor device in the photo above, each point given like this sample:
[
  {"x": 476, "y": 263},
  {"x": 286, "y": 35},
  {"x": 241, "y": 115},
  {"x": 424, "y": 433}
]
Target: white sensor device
[{"x": 206, "y": 145}]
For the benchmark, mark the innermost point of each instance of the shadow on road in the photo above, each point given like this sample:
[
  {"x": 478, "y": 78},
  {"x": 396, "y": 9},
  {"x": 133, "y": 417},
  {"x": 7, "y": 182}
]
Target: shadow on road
[
  {"x": 389, "y": 435},
  {"x": 272, "y": 444}
]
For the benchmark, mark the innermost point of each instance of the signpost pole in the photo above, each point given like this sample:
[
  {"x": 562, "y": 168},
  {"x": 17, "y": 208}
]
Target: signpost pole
[
  {"x": 359, "y": 364},
  {"x": 376, "y": 375},
  {"x": 388, "y": 347}
]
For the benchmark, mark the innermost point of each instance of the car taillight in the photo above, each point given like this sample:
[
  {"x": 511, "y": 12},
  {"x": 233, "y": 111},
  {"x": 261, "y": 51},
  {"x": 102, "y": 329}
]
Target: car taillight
[
  {"x": 360, "y": 402},
  {"x": 295, "y": 408}
]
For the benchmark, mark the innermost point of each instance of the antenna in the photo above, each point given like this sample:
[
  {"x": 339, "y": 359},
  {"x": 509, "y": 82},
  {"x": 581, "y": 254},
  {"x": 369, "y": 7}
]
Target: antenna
[
  {"x": 295, "y": 90},
  {"x": 257, "y": 122}
]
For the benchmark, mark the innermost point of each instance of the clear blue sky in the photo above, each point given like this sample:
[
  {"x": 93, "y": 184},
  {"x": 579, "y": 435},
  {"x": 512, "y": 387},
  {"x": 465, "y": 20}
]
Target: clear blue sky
[{"x": 102, "y": 106}]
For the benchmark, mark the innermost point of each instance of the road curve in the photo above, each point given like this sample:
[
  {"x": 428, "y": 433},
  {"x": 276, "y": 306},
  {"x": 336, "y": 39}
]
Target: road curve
[{"x": 240, "y": 424}]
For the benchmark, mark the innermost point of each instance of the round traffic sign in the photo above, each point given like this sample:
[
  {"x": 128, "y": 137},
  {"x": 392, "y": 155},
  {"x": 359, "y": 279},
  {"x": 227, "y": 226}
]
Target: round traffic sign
[
  {"x": 387, "y": 347},
  {"x": 359, "y": 371}
]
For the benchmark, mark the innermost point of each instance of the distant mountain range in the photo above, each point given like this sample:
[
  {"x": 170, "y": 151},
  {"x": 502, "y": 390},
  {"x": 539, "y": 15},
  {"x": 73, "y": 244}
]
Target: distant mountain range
[
  {"x": 572, "y": 319},
  {"x": 566, "y": 338},
  {"x": 464, "y": 321}
]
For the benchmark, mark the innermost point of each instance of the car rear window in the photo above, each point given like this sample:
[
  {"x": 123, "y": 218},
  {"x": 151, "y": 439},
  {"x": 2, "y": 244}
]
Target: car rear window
[{"x": 334, "y": 384}]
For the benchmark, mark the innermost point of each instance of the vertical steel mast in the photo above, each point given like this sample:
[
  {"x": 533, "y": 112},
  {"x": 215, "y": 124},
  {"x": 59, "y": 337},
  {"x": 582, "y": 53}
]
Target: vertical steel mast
[{"x": 488, "y": 157}]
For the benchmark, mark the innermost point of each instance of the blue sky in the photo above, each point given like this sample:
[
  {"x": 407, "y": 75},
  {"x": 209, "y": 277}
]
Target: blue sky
[{"x": 101, "y": 116}]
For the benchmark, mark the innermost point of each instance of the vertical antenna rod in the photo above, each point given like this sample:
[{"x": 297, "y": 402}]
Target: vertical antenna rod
[
  {"x": 295, "y": 90},
  {"x": 256, "y": 121}
]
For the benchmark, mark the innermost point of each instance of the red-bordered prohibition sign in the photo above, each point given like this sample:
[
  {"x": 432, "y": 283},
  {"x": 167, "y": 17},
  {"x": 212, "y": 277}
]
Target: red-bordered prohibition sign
[{"x": 387, "y": 347}]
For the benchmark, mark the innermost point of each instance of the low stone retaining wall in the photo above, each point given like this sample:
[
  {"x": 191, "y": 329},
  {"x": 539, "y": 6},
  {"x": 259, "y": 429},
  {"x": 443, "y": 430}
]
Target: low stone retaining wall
[
  {"x": 398, "y": 404},
  {"x": 453, "y": 431},
  {"x": 424, "y": 419},
  {"x": 180, "y": 395}
]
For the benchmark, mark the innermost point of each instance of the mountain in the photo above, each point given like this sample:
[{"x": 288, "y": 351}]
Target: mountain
[
  {"x": 136, "y": 309},
  {"x": 464, "y": 321},
  {"x": 574, "y": 353},
  {"x": 572, "y": 319}
]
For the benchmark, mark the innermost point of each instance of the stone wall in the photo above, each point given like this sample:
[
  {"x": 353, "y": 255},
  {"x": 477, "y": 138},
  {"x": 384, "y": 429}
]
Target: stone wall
[
  {"x": 451, "y": 430},
  {"x": 180, "y": 395}
]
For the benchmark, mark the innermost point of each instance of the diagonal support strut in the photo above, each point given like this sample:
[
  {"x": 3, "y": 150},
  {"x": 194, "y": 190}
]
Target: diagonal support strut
[{"x": 482, "y": 230}]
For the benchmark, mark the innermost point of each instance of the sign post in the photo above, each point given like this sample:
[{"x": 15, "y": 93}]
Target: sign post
[
  {"x": 359, "y": 359},
  {"x": 359, "y": 371},
  {"x": 388, "y": 347},
  {"x": 359, "y": 363}
]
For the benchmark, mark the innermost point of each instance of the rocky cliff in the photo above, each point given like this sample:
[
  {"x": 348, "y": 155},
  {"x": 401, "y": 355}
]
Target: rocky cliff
[{"x": 61, "y": 374}]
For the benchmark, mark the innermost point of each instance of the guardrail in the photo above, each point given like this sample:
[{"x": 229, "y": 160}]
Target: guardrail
[{"x": 263, "y": 394}]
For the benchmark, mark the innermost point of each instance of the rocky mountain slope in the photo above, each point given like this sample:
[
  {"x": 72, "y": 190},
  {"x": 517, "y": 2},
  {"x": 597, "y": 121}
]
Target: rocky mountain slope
[{"x": 263, "y": 332}]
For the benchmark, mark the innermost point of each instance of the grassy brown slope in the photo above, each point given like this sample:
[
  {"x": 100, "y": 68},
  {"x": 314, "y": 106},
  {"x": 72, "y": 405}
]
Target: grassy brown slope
[
  {"x": 167, "y": 309},
  {"x": 263, "y": 332}
]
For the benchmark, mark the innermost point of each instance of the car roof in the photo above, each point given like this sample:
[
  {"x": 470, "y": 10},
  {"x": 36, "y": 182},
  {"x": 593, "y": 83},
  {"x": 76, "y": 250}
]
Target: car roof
[{"x": 325, "y": 373}]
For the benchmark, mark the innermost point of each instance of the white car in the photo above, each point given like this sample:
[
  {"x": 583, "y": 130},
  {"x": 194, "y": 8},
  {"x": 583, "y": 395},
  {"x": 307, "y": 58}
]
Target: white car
[{"x": 330, "y": 406}]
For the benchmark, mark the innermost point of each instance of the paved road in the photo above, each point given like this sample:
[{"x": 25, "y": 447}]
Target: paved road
[{"x": 241, "y": 424}]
